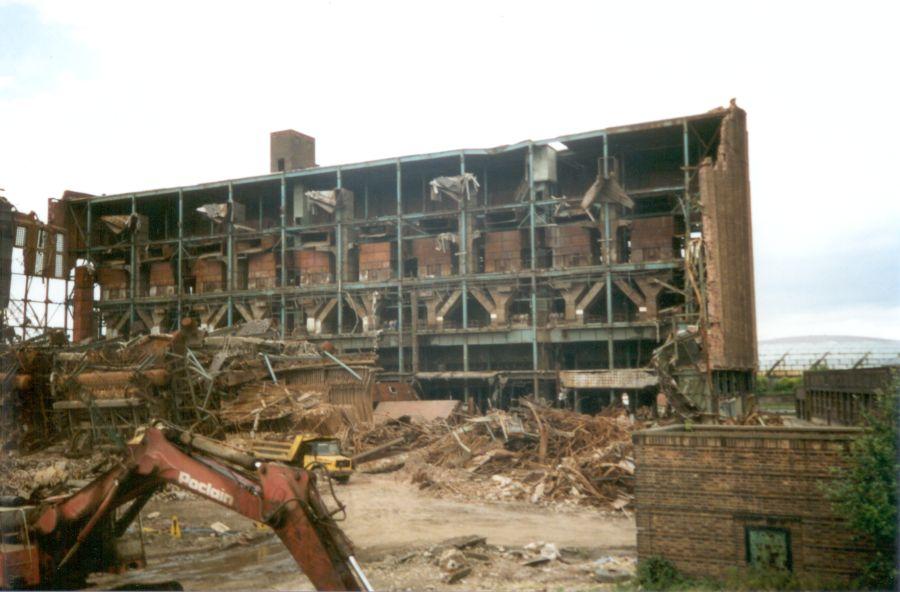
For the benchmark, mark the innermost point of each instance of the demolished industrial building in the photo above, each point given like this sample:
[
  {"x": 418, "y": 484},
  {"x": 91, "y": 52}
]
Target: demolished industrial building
[
  {"x": 578, "y": 269},
  {"x": 494, "y": 324}
]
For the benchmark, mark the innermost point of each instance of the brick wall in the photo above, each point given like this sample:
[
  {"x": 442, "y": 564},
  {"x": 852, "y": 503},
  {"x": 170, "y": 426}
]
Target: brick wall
[
  {"x": 261, "y": 271},
  {"x": 162, "y": 279},
  {"x": 697, "y": 493},
  {"x": 113, "y": 283},
  {"x": 571, "y": 246},
  {"x": 313, "y": 267},
  {"x": 83, "y": 305},
  {"x": 375, "y": 262},
  {"x": 728, "y": 238},
  {"x": 503, "y": 250},
  {"x": 430, "y": 261},
  {"x": 652, "y": 238},
  {"x": 209, "y": 275}
]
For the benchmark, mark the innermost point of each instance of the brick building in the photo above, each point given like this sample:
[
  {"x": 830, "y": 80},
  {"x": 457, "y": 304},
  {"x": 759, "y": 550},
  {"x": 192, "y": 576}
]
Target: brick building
[{"x": 715, "y": 498}]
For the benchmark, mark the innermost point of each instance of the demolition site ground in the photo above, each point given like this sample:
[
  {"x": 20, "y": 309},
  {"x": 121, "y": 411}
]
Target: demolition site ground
[{"x": 402, "y": 535}]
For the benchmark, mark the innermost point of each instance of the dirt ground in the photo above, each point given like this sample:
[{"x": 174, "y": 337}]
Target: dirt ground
[{"x": 398, "y": 532}]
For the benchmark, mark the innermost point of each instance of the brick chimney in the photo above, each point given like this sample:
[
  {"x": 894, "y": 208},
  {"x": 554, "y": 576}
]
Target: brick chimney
[{"x": 290, "y": 150}]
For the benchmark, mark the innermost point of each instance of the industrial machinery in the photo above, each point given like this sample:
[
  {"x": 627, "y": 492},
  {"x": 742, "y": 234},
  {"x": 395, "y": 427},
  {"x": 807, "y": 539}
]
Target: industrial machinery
[
  {"x": 309, "y": 451},
  {"x": 58, "y": 542}
]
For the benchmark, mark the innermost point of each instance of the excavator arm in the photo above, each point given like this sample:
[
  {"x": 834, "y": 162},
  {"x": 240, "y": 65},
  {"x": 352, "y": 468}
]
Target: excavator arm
[{"x": 285, "y": 498}]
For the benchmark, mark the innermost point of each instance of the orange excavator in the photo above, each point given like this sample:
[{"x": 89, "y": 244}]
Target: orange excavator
[{"x": 59, "y": 541}]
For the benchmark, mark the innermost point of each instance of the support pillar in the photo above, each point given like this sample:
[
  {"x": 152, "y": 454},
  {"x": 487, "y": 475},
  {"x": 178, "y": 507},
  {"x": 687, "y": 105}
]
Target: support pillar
[
  {"x": 317, "y": 312},
  {"x": 282, "y": 219},
  {"x": 607, "y": 232},
  {"x": 533, "y": 250},
  {"x": 211, "y": 315}
]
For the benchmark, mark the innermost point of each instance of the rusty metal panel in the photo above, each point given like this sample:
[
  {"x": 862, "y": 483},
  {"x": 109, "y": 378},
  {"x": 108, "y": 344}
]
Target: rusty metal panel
[
  {"x": 356, "y": 395},
  {"x": 394, "y": 391},
  {"x": 417, "y": 411}
]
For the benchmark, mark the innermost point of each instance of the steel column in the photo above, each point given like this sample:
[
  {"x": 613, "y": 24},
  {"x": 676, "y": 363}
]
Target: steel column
[
  {"x": 533, "y": 250},
  {"x": 607, "y": 231},
  {"x": 686, "y": 205},
  {"x": 135, "y": 268},
  {"x": 339, "y": 258},
  {"x": 464, "y": 270},
  {"x": 229, "y": 269},
  {"x": 284, "y": 264},
  {"x": 399, "y": 272},
  {"x": 87, "y": 256},
  {"x": 180, "y": 270}
]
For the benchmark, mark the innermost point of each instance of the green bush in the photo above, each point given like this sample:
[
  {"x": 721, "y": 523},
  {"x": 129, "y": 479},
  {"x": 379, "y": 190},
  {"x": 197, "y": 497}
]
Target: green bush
[
  {"x": 865, "y": 493},
  {"x": 758, "y": 578},
  {"x": 656, "y": 573},
  {"x": 787, "y": 384}
]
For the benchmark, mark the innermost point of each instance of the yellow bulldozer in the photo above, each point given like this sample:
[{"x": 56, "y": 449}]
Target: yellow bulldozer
[{"x": 310, "y": 451}]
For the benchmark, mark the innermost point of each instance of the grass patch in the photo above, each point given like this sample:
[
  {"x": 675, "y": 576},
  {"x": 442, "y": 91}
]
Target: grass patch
[{"x": 657, "y": 574}]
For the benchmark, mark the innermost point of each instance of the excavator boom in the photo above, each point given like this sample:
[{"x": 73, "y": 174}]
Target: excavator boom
[{"x": 72, "y": 532}]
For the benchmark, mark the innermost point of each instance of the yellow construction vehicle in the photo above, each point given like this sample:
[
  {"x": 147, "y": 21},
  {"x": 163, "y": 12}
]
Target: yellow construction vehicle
[{"x": 309, "y": 451}]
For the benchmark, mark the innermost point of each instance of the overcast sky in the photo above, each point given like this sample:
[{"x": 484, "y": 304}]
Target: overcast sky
[{"x": 120, "y": 96}]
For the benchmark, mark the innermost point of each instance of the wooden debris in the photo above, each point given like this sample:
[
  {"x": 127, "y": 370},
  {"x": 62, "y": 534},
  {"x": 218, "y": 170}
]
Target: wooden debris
[{"x": 532, "y": 453}]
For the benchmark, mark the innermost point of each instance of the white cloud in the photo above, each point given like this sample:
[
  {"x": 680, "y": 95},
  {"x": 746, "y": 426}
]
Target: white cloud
[{"x": 188, "y": 92}]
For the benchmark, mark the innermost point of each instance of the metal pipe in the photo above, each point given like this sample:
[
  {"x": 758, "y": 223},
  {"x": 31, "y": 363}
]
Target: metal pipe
[
  {"x": 155, "y": 376},
  {"x": 357, "y": 570},
  {"x": 271, "y": 370},
  {"x": 343, "y": 365},
  {"x": 210, "y": 446}
]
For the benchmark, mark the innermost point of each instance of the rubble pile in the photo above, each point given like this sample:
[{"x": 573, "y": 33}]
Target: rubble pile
[
  {"x": 47, "y": 473},
  {"x": 533, "y": 453},
  {"x": 464, "y": 559},
  {"x": 244, "y": 377},
  {"x": 754, "y": 418}
]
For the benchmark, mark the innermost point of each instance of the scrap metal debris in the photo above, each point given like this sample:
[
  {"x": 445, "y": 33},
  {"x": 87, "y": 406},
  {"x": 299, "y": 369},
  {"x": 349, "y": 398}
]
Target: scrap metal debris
[
  {"x": 606, "y": 190},
  {"x": 459, "y": 188},
  {"x": 98, "y": 393},
  {"x": 533, "y": 453}
]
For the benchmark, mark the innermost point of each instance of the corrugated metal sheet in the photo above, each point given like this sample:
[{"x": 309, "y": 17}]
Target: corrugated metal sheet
[
  {"x": 356, "y": 395},
  {"x": 417, "y": 411},
  {"x": 605, "y": 379}
]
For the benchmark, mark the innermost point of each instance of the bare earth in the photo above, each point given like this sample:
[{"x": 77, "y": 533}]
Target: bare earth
[{"x": 394, "y": 527}]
